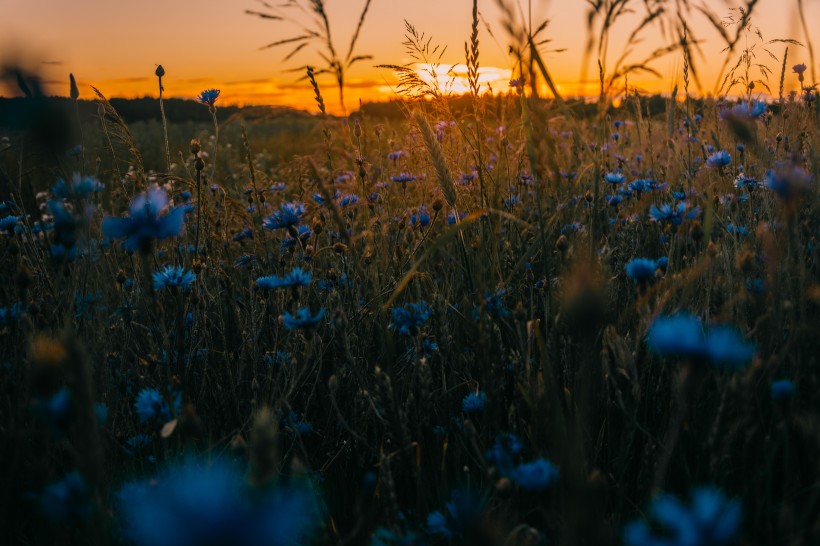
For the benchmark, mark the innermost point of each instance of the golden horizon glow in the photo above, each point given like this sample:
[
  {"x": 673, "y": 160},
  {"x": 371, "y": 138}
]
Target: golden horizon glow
[{"x": 206, "y": 44}]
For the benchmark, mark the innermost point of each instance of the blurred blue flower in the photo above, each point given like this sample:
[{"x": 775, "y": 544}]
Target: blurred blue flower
[
  {"x": 420, "y": 217},
  {"x": 641, "y": 270},
  {"x": 719, "y": 159},
  {"x": 726, "y": 348},
  {"x": 193, "y": 504},
  {"x": 173, "y": 277},
  {"x": 505, "y": 452},
  {"x": 536, "y": 475},
  {"x": 614, "y": 178},
  {"x": 80, "y": 187},
  {"x": 145, "y": 223},
  {"x": 673, "y": 214},
  {"x": 475, "y": 402},
  {"x": 710, "y": 520},
  {"x": 783, "y": 389},
  {"x": 68, "y": 499},
  {"x": 462, "y": 513},
  {"x": 303, "y": 319},
  {"x": 403, "y": 178},
  {"x": 408, "y": 319},
  {"x": 677, "y": 335},
  {"x": 297, "y": 277},
  {"x": 9, "y": 315}
]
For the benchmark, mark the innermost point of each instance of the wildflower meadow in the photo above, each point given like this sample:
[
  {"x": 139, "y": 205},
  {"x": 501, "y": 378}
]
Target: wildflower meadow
[{"x": 502, "y": 317}]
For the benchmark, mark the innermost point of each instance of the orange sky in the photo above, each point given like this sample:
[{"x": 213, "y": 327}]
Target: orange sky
[{"x": 115, "y": 45}]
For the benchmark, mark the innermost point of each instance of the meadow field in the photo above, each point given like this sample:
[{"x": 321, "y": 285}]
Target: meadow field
[{"x": 494, "y": 319}]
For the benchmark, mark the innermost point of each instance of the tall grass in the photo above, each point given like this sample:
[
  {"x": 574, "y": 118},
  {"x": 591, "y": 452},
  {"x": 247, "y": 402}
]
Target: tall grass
[{"x": 423, "y": 330}]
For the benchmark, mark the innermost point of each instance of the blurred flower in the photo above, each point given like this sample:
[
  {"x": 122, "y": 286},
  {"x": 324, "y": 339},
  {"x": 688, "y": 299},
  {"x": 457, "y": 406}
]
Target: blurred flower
[
  {"x": 682, "y": 336},
  {"x": 403, "y": 178},
  {"x": 782, "y": 389},
  {"x": 9, "y": 315},
  {"x": 710, "y": 520},
  {"x": 8, "y": 223},
  {"x": 614, "y": 178},
  {"x": 673, "y": 214},
  {"x": 408, "y": 319},
  {"x": 303, "y": 319},
  {"x": 677, "y": 335},
  {"x": 67, "y": 499},
  {"x": 297, "y": 277},
  {"x": 420, "y": 217},
  {"x": 192, "y": 504},
  {"x": 462, "y": 513},
  {"x": 726, "y": 348},
  {"x": 799, "y": 69},
  {"x": 79, "y": 187},
  {"x": 145, "y": 223},
  {"x": 474, "y": 402},
  {"x": 719, "y": 159},
  {"x": 150, "y": 406},
  {"x": 172, "y": 277},
  {"x": 536, "y": 475},
  {"x": 786, "y": 181},
  {"x": 641, "y": 270}
]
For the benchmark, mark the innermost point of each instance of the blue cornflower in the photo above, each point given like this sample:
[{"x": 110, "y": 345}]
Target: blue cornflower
[
  {"x": 420, "y": 218},
  {"x": 673, "y": 214},
  {"x": 136, "y": 444},
  {"x": 536, "y": 475},
  {"x": 663, "y": 263},
  {"x": 719, "y": 159},
  {"x": 677, "y": 335},
  {"x": 208, "y": 97},
  {"x": 641, "y": 270},
  {"x": 297, "y": 425},
  {"x": 403, "y": 178},
  {"x": 475, "y": 402},
  {"x": 101, "y": 411},
  {"x": 451, "y": 217},
  {"x": 145, "y": 223},
  {"x": 8, "y": 223},
  {"x": 8, "y": 315},
  {"x": 614, "y": 178},
  {"x": 289, "y": 214},
  {"x": 782, "y": 389},
  {"x": 743, "y": 181},
  {"x": 462, "y": 512},
  {"x": 173, "y": 277},
  {"x": 193, "y": 503},
  {"x": 67, "y": 499},
  {"x": 787, "y": 181},
  {"x": 408, "y": 319},
  {"x": 745, "y": 110},
  {"x": 494, "y": 304},
  {"x": 504, "y": 453},
  {"x": 79, "y": 187},
  {"x": 348, "y": 200},
  {"x": 395, "y": 156},
  {"x": 710, "y": 520},
  {"x": 726, "y": 348},
  {"x": 150, "y": 405},
  {"x": 303, "y": 319},
  {"x": 297, "y": 277}
]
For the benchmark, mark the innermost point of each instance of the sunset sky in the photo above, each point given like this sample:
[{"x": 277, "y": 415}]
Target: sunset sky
[{"x": 115, "y": 45}]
